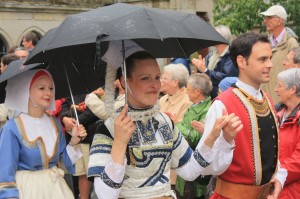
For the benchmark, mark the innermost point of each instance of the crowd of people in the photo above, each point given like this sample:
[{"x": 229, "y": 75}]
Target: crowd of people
[{"x": 230, "y": 129}]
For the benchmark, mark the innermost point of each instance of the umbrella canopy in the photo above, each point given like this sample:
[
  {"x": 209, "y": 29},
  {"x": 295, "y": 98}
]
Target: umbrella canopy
[
  {"x": 163, "y": 33},
  {"x": 82, "y": 79}
]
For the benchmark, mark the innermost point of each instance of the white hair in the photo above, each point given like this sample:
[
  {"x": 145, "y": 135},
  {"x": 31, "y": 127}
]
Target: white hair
[
  {"x": 201, "y": 81},
  {"x": 225, "y": 32},
  {"x": 178, "y": 72},
  {"x": 291, "y": 77}
]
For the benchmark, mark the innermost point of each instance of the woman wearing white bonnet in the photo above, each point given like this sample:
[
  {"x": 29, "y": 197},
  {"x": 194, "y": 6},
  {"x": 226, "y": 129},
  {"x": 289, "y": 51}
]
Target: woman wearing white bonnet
[{"x": 33, "y": 151}]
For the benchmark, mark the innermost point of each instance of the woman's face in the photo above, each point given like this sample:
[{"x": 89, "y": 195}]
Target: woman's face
[
  {"x": 168, "y": 85},
  {"x": 42, "y": 92},
  {"x": 284, "y": 94},
  {"x": 144, "y": 83}
]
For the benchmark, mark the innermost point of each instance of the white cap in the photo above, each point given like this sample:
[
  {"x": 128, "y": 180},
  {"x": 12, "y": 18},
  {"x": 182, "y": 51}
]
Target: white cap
[
  {"x": 114, "y": 54},
  {"x": 276, "y": 10}
]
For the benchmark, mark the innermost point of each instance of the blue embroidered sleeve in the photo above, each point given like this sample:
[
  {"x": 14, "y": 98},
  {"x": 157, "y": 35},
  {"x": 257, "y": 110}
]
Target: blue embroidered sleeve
[
  {"x": 99, "y": 156},
  {"x": 198, "y": 157}
]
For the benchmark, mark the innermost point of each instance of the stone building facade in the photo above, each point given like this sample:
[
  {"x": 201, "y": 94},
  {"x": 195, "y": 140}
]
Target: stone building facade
[{"x": 18, "y": 17}]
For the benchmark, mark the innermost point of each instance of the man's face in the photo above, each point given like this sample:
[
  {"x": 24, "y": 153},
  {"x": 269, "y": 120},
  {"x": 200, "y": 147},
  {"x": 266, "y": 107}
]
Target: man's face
[
  {"x": 22, "y": 53},
  {"x": 272, "y": 23},
  {"x": 27, "y": 44},
  {"x": 289, "y": 61},
  {"x": 256, "y": 69}
]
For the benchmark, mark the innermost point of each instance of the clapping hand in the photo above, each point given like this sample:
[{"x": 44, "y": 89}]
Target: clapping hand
[
  {"x": 172, "y": 116},
  {"x": 198, "y": 126},
  {"x": 199, "y": 64}
]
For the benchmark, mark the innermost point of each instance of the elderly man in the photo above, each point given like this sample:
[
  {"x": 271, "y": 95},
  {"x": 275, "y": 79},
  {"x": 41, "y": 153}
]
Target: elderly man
[
  {"x": 217, "y": 64},
  {"x": 22, "y": 52},
  {"x": 281, "y": 42},
  {"x": 292, "y": 59}
]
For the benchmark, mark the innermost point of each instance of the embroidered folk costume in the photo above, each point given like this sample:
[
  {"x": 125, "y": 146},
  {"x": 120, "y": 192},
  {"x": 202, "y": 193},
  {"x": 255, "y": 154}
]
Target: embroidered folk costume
[
  {"x": 245, "y": 166},
  {"x": 155, "y": 147},
  {"x": 33, "y": 150}
]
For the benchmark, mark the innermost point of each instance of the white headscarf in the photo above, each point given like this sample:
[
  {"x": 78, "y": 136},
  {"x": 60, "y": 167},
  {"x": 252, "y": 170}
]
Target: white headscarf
[{"x": 17, "y": 91}]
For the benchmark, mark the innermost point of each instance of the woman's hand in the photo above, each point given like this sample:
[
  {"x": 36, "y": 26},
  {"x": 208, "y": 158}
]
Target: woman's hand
[
  {"x": 123, "y": 130},
  {"x": 172, "y": 116},
  {"x": 124, "y": 127},
  {"x": 198, "y": 126},
  {"x": 230, "y": 124},
  {"x": 78, "y": 134}
]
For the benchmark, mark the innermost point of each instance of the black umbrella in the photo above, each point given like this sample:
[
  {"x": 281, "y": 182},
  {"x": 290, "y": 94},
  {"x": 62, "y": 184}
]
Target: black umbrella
[
  {"x": 163, "y": 33},
  {"x": 82, "y": 79}
]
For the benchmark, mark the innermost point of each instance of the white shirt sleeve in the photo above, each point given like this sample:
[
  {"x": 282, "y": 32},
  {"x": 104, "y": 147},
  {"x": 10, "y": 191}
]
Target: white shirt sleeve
[
  {"x": 281, "y": 174},
  {"x": 116, "y": 173},
  {"x": 74, "y": 153}
]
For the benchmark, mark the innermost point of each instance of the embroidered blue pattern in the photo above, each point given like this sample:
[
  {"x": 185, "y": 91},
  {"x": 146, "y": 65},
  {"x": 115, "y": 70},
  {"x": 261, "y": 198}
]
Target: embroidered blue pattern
[
  {"x": 100, "y": 149},
  {"x": 200, "y": 159},
  {"x": 158, "y": 175},
  {"x": 109, "y": 182}
]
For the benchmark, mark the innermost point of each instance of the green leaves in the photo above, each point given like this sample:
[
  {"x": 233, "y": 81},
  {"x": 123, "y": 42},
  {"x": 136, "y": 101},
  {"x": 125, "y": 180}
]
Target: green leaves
[{"x": 243, "y": 15}]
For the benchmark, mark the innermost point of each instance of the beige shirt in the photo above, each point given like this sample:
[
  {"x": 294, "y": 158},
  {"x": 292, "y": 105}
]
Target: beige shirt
[
  {"x": 279, "y": 53},
  {"x": 176, "y": 104}
]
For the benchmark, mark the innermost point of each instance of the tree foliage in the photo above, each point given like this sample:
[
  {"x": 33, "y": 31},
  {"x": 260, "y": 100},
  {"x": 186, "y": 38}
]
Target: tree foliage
[{"x": 243, "y": 15}]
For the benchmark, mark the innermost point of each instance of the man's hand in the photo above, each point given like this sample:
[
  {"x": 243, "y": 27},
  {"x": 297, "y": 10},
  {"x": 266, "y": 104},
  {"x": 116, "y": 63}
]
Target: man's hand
[
  {"x": 199, "y": 64},
  {"x": 233, "y": 126},
  {"x": 69, "y": 123},
  {"x": 277, "y": 189}
]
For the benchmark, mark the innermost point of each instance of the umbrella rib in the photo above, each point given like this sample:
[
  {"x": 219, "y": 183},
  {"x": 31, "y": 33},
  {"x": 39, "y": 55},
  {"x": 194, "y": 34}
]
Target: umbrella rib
[{"x": 182, "y": 48}]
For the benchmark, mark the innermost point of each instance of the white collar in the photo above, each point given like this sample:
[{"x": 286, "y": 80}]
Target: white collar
[{"x": 256, "y": 93}]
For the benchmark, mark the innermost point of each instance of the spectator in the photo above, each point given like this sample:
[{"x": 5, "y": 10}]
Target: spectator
[
  {"x": 30, "y": 40},
  {"x": 199, "y": 87},
  {"x": 175, "y": 102},
  {"x": 292, "y": 59},
  {"x": 184, "y": 61},
  {"x": 22, "y": 52},
  {"x": 88, "y": 120},
  {"x": 217, "y": 64},
  {"x": 288, "y": 113},
  {"x": 6, "y": 59},
  {"x": 282, "y": 41},
  {"x": 226, "y": 83}
]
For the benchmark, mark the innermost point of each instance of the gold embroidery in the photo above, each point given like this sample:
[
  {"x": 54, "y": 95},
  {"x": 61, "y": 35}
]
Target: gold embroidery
[{"x": 261, "y": 107}]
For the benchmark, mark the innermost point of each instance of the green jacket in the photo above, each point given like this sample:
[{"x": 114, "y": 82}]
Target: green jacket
[{"x": 197, "y": 113}]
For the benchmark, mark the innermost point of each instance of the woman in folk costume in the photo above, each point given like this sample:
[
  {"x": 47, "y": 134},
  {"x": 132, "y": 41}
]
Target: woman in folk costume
[
  {"x": 33, "y": 149},
  {"x": 135, "y": 149}
]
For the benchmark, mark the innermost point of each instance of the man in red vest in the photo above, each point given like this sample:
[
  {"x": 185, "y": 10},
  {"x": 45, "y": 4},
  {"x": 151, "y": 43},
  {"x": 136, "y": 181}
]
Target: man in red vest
[{"x": 247, "y": 162}]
